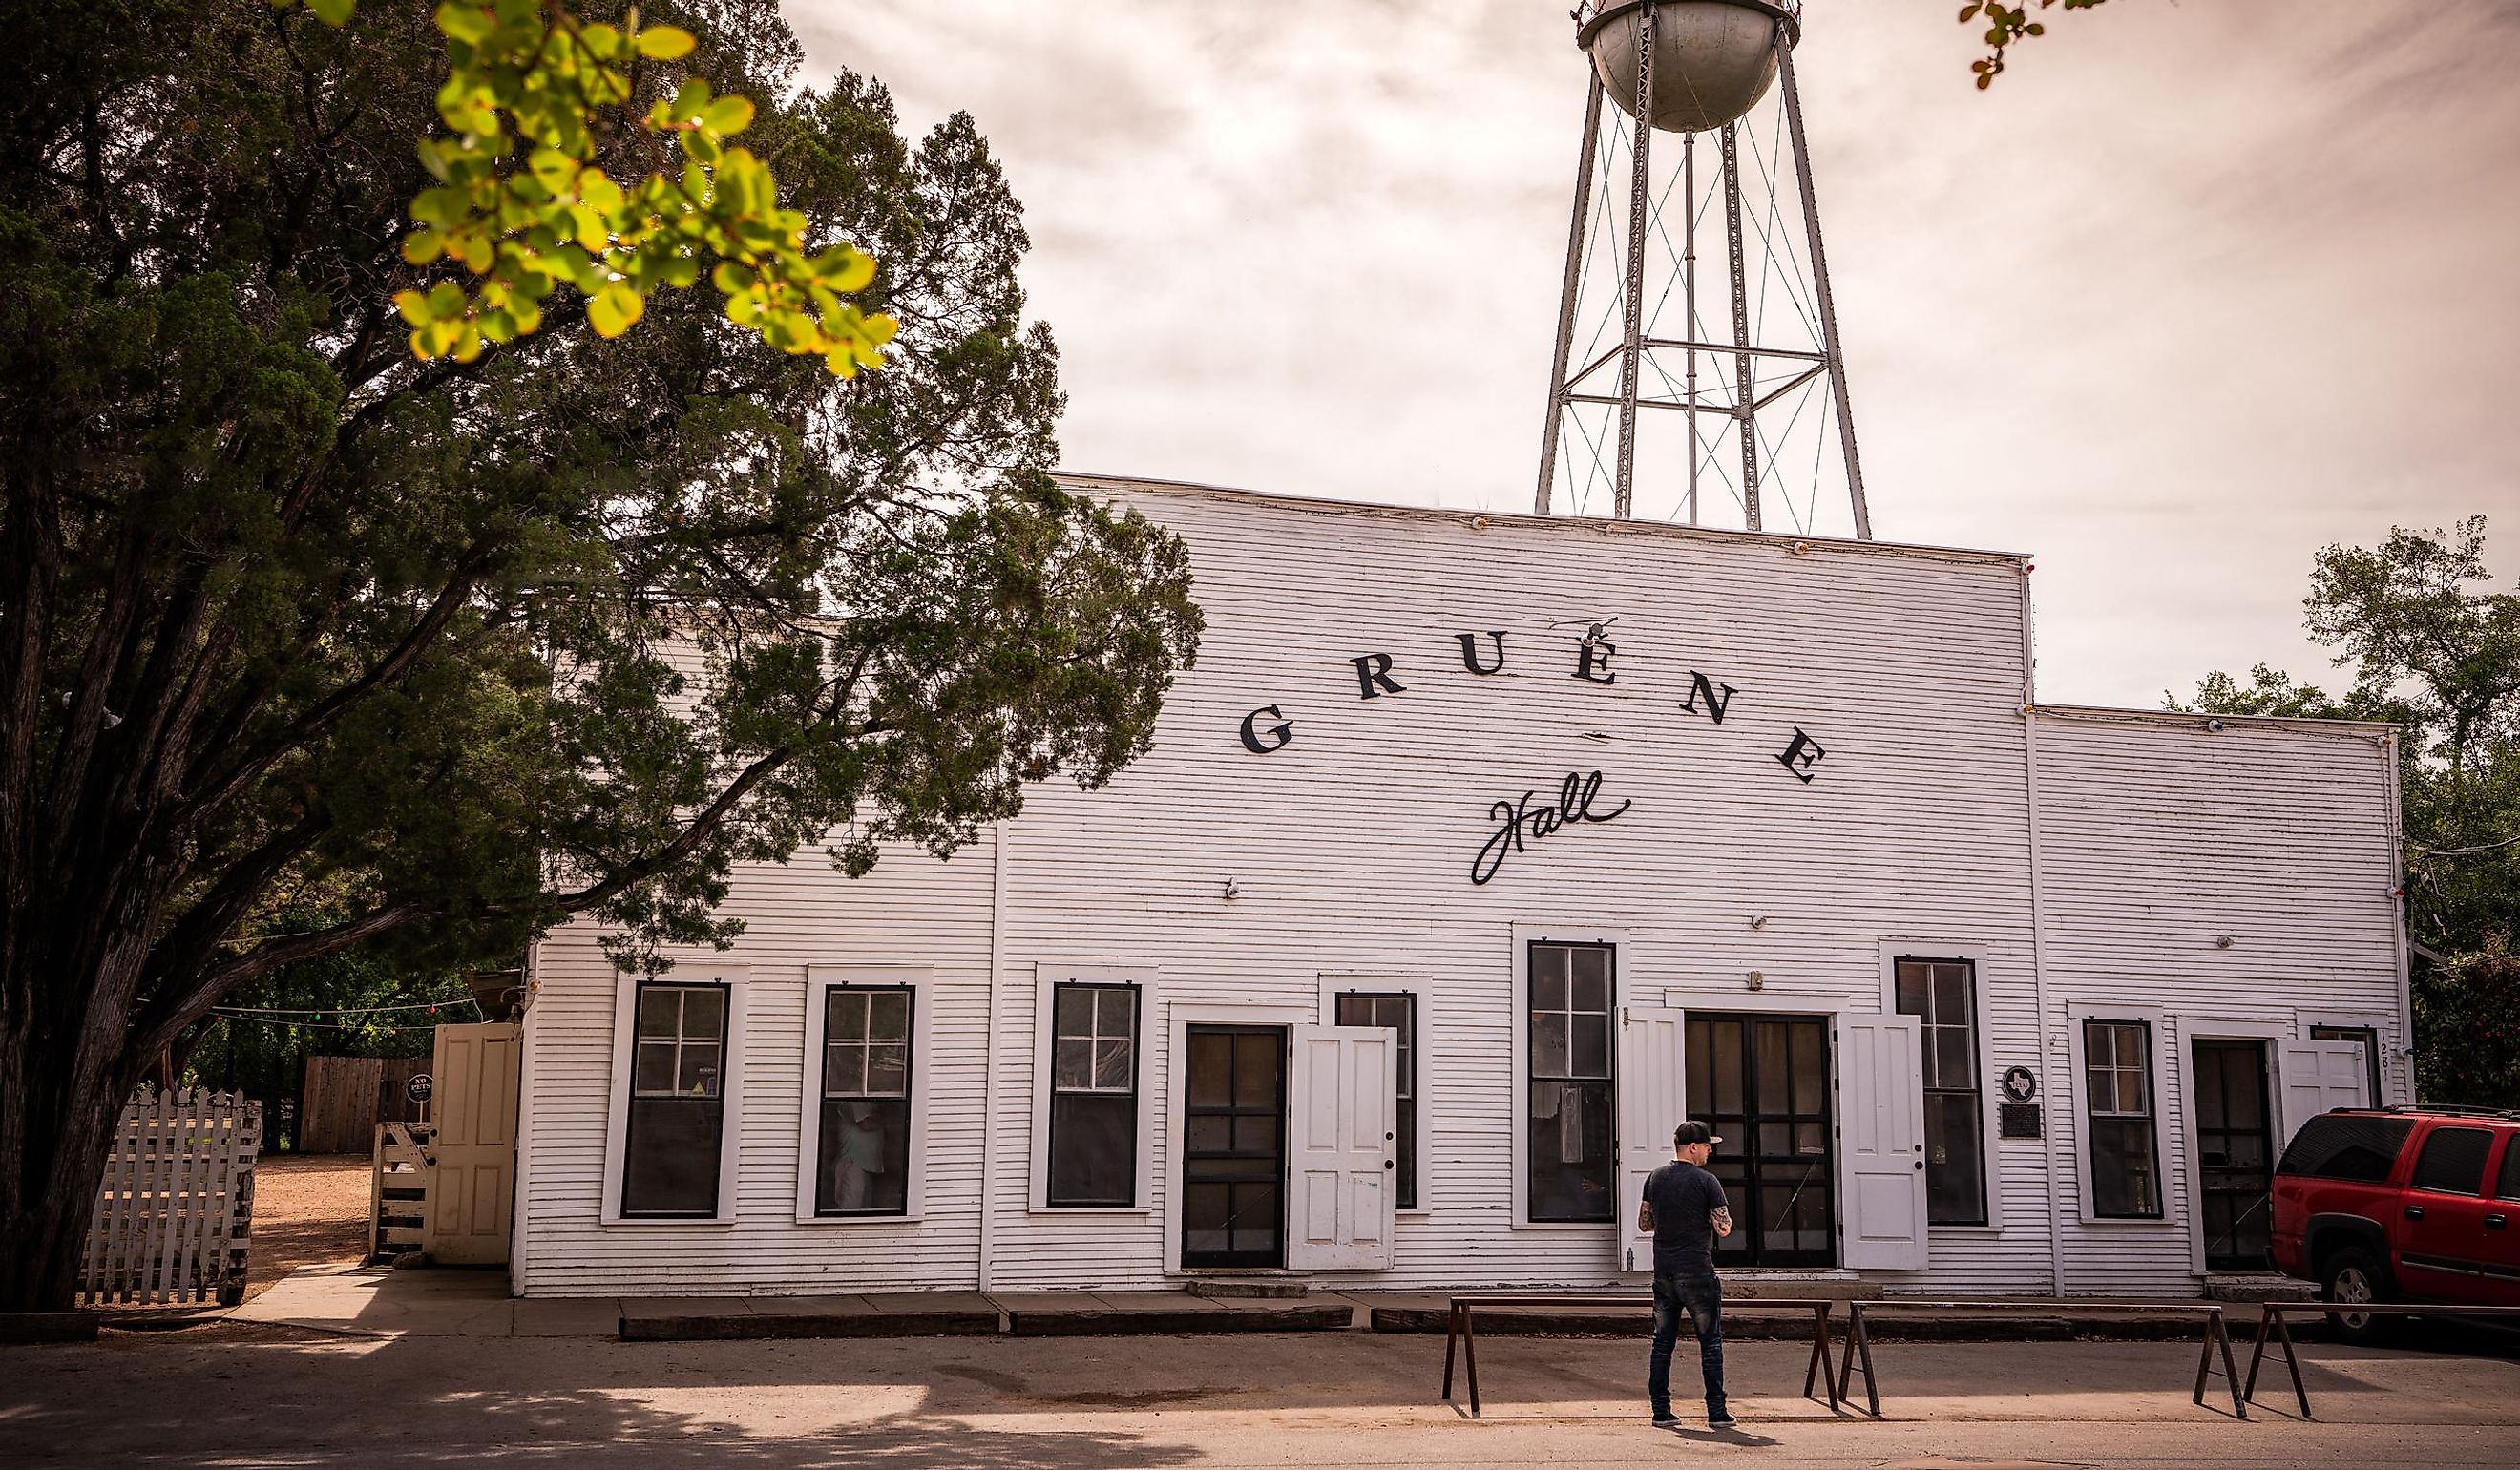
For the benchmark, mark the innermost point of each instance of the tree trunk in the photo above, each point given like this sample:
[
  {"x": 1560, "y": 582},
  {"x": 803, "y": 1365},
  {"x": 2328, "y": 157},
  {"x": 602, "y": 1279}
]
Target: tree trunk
[{"x": 58, "y": 1114}]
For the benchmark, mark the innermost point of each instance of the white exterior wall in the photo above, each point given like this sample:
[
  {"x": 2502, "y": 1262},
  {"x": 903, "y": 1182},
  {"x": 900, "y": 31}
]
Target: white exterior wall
[
  {"x": 1350, "y": 849},
  {"x": 2160, "y": 838}
]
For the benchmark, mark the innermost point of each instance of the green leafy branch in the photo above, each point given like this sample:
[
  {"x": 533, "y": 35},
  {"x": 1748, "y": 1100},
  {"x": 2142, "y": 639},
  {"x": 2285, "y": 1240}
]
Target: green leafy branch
[
  {"x": 520, "y": 205},
  {"x": 2005, "y": 26}
]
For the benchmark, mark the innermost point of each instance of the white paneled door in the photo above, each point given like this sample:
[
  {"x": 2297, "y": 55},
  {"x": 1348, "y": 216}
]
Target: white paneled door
[
  {"x": 1342, "y": 1128},
  {"x": 471, "y": 1186},
  {"x": 2317, "y": 1075},
  {"x": 1653, "y": 1099},
  {"x": 1881, "y": 1129}
]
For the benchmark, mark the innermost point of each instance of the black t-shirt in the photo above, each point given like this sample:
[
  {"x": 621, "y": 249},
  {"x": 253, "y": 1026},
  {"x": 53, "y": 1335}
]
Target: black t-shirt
[{"x": 1684, "y": 1198}]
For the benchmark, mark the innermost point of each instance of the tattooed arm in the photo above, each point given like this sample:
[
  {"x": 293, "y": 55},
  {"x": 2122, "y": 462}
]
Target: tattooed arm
[{"x": 1722, "y": 1218}]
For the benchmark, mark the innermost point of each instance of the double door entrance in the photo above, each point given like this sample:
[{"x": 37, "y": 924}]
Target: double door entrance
[{"x": 1763, "y": 1082}]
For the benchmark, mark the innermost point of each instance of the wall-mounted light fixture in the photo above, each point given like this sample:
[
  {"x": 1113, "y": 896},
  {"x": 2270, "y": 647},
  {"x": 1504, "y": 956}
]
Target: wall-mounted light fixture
[{"x": 1758, "y": 979}]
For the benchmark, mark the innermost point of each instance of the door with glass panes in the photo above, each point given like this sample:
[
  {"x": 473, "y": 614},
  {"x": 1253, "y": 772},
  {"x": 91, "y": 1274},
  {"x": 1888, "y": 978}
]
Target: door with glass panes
[
  {"x": 1234, "y": 1147},
  {"x": 1763, "y": 1082},
  {"x": 2235, "y": 1153}
]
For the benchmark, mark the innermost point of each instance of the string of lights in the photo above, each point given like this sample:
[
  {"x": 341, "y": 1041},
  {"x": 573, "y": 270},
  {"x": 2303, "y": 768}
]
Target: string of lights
[{"x": 343, "y": 1017}]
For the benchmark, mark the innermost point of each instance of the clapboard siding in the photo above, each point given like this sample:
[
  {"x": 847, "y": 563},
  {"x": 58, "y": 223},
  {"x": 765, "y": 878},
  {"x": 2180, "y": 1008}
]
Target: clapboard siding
[
  {"x": 2161, "y": 838},
  {"x": 1349, "y": 852}
]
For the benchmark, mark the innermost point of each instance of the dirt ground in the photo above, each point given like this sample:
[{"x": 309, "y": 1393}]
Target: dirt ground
[
  {"x": 252, "y": 1395},
  {"x": 308, "y": 1210}
]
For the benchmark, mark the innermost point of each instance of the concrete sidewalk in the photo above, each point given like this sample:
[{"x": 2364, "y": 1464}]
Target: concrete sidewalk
[{"x": 449, "y": 1302}]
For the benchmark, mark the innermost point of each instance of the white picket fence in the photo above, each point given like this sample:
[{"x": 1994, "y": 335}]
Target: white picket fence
[{"x": 176, "y": 1211}]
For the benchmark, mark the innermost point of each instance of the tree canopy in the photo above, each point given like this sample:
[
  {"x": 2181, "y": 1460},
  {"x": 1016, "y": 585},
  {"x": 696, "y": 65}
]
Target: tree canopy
[{"x": 451, "y": 650}]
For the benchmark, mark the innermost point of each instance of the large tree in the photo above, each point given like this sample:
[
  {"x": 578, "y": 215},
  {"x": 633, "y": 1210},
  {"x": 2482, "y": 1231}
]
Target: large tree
[
  {"x": 472, "y": 647},
  {"x": 2434, "y": 645}
]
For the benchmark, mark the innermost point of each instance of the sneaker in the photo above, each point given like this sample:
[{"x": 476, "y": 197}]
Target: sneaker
[
  {"x": 1666, "y": 1421},
  {"x": 1722, "y": 1418}
]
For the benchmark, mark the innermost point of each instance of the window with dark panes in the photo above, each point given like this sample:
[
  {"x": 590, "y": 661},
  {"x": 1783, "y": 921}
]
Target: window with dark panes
[
  {"x": 2510, "y": 1188},
  {"x": 2369, "y": 1037},
  {"x": 864, "y": 1159},
  {"x": 2453, "y": 1161},
  {"x": 1094, "y": 1096},
  {"x": 1942, "y": 994},
  {"x": 1397, "y": 1010},
  {"x": 1570, "y": 1130},
  {"x": 677, "y": 1102},
  {"x": 2117, "y": 1095}
]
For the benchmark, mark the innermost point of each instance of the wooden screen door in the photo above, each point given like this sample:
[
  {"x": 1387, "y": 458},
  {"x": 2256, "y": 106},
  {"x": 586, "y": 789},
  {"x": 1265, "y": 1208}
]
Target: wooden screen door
[
  {"x": 471, "y": 1187},
  {"x": 1234, "y": 1147},
  {"x": 2234, "y": 1153}
]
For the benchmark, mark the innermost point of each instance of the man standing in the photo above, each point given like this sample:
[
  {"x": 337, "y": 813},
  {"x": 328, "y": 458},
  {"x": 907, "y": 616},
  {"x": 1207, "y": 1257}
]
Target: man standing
[{"x": 1686, "y": 1210}]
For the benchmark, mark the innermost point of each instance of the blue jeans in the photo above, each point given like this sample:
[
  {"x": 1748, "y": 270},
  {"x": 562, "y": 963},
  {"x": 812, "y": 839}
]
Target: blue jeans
[{"x": 1700, "y": 1295}]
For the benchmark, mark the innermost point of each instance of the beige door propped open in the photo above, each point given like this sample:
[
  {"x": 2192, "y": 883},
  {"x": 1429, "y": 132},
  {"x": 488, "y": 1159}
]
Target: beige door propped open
[{"x": 471, "y": 1187}]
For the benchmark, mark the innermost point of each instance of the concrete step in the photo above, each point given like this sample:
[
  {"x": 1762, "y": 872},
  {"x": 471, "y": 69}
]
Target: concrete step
[
  {"x": 1257, "y": 1286},
  {"x": 2259, "y": 1286},
  {"x": 1751, "y": 1285}
]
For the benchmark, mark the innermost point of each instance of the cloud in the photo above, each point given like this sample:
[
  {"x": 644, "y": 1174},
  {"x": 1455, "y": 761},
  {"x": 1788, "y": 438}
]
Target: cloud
[{"x": 2195, "y": 289}]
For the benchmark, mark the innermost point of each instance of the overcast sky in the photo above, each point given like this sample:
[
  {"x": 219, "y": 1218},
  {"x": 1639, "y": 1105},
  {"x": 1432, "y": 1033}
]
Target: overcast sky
[{"x": 2193, "y": 292}]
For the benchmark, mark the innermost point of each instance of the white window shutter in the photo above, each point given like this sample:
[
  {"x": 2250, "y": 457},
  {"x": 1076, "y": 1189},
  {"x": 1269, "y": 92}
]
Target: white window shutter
[
  {"x": 1654, "y": 1098},
  {"x": 1881, "y": 1143},
  {"x": 1342, "y": 1125}
]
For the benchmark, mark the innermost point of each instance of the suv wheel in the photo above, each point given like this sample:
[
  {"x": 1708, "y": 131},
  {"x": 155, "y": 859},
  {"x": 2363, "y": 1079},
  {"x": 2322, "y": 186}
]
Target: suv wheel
[{"x": 2353, "y": 1276}]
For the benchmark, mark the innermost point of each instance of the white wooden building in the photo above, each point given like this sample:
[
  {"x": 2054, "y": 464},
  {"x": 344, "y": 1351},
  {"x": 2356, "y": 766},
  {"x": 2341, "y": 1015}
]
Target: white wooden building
[{"x": 1475, "y": 851}]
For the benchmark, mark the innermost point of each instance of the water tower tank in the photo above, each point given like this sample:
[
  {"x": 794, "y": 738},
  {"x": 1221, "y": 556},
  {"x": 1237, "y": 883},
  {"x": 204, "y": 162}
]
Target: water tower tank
[{"x": 1713, "y": 59}]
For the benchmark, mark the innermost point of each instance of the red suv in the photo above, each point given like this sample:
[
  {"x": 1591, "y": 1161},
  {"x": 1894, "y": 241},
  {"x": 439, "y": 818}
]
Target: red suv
[{"x": 2413, "y": 1204}]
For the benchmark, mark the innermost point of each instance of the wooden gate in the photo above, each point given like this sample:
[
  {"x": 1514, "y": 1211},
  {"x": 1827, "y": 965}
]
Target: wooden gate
[{"x": 175, "y": 1217}]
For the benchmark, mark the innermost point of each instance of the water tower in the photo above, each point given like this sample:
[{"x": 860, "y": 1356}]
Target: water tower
[{"x": 1721, "y": 402}]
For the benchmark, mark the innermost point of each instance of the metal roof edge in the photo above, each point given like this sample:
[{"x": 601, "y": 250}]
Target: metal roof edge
[
  {"x": 1074, "y": 479},
  {"x": 2192, "y": 717}
]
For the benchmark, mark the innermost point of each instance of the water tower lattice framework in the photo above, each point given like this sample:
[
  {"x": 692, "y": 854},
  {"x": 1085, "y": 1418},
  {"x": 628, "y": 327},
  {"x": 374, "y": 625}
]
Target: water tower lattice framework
[{"x": 1716, "y": 401}]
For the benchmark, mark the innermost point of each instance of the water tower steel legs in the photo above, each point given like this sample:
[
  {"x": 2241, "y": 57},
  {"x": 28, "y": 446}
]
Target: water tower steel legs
[
  {"x": 1742, "y": 410},
  {"x": 1688, "y": 301},
  {"x": 1819, "y": 292},
  {"x": 1640, "y": 201},
  {"x": 1566, "y": 297},
  {"x": 1567, "y": 393}
]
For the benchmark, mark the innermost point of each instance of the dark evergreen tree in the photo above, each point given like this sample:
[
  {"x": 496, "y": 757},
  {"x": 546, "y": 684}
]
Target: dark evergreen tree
[{"x": 472, "y": 648}]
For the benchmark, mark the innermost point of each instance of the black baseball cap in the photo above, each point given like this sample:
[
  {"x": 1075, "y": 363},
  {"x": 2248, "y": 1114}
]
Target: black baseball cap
[{"x": 1692, "y": 1132}]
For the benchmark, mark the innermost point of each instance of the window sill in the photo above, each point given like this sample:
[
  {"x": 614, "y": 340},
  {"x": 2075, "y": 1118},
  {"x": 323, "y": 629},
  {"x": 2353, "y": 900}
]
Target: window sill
[
  {"x": 2114, "y": 1221},
  {"x": 1963, "y": 1230},
  {"x": 1594, "y": 1227},
  {"x": 913, "y": 1217},
  {"x": 641, "y": 1223},
  {"x": 1055, "y": 1210}
]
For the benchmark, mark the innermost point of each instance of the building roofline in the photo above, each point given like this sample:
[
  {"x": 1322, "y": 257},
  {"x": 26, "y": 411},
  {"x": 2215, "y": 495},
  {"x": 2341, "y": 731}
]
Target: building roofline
[
  {"x": 1077, "y": 479},
  {"x": 2108, "y": 713}
]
